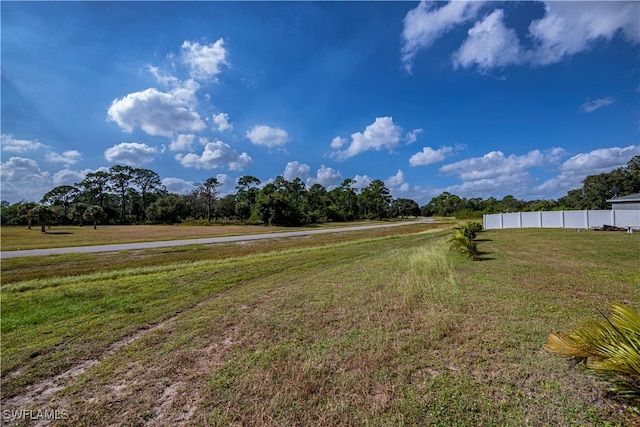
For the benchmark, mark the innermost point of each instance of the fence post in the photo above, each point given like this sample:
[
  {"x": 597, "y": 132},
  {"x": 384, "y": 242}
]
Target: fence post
[
  {"x": 613, "y": 217},
  {"x": 540, "y": 219},
  {"x": 562, "y": 218},
  {"x": 586, "y": 218},
  {"x": 501, "y": 221}
]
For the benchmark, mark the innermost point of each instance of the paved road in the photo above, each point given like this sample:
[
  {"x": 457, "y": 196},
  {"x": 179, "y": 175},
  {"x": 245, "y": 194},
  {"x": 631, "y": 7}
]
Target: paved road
[{"x": 203, "y": 241}]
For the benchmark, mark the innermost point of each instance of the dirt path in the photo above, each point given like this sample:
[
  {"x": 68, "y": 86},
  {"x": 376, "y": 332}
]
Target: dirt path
[
  {"x": 175, "y": 391},
  {"x": 42, "y": 394},
  {"x": 203, "y": 241}
]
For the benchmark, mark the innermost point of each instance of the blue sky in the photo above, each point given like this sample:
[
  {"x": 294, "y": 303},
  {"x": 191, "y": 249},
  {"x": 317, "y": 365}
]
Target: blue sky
[{"x": 476, "y": 98}]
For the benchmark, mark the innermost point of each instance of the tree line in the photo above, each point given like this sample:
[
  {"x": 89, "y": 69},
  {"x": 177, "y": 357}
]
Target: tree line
[
  {"x": 127, "y": 195},
  {"x": 594, "y": 193}
]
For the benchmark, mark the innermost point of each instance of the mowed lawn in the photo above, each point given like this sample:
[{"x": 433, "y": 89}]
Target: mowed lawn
[
  {"x": 21, "y": 238},
  {"x": 374, "y": 330}
]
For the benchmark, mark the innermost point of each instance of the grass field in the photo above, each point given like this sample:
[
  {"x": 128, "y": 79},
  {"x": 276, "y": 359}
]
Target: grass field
[
  {"x": 20, "y": 238},
  {"x": 351, "y": 329}
]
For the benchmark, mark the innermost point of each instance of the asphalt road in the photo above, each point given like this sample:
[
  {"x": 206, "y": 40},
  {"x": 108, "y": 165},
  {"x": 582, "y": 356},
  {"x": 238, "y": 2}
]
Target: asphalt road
[{"x": 202, "y": 241}]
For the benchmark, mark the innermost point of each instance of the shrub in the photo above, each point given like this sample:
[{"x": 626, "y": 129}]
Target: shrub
[
  {"x": 463, "y": 239},
  {"x": 609, "y": 349},
  {"x": 475, "y": 226},
  {"x": 463, "y": 244}
]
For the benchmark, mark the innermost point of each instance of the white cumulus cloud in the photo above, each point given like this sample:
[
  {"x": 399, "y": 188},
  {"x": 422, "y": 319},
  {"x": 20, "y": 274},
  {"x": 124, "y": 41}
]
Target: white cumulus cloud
[
  {"x": 338, "y": 142},
  {"x": 361, "y": 181},
  {"x": 69, "y": 157},
  {"x": 68, "y": 176},
  {"x": 20, "y": 169},
  {"x": 131, "y": 153},
  {"x": 19, "y": 146},
  {"x": 272, "y": 137},
  {"x": 22, "y": 179},
  {"x": 162, "y": 78},
  {"x": 222, "y": 122},
  {"x": 326, "y": 176},
  {"x": 490, "y": 45},
  {"x": 216, "y": 155},
  {"x": 514, "y": 183},
  {"x": 427, "y": 23},
  {"x": 496, "y": 172},
  {"x": 428, "y": 156},
  {"x": 295, "y": 170},
  {"x": 496, "y": 163},
  {"x": 157, "y": 113},
  {"x": 601, "y": 159},
  {"x": 178, "y": 185},
  {"x": 395, "y": 180},
  {"x": 182, "y": 143},
  {"x": 568, "y": 28},
  {"x": 227, "y": 184},
  {"x": 397, "y": 184},
  {"x": 412, "y": 136},
  {"x": 381, "y": 134},
  {"x": 578, "y": 167},
  {"x": 205, "y": 60}
]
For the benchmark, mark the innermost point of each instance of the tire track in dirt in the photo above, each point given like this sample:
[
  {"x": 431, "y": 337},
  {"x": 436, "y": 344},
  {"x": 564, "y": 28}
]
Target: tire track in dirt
[
  {"x": 180, "y": 399},
  {"x": 178, "y": 403},
  {"x": 42, "y": 392}
]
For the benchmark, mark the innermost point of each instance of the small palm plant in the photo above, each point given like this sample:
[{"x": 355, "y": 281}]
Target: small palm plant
[
  {"x": 609, "y": 349},
  {"x": 475, "y": 226},
  {"x": 470, "y": 229},
  {"x": 462, "y": 241}
]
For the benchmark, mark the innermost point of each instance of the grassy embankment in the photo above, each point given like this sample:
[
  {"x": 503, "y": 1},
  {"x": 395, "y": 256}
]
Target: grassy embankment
[{"x": 386, "y": 330}]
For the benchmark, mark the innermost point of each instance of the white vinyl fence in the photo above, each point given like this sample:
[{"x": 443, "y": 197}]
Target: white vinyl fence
[{"x": 563, "y": 219}]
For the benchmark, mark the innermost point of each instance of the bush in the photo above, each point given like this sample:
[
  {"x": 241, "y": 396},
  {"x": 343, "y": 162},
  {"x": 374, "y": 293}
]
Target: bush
[
  {"x": 463, "y": 239},
  {"x": 464, "y": 244},
  {"x": 609, "y": 349},
  {"x": 475, "y": 226}
]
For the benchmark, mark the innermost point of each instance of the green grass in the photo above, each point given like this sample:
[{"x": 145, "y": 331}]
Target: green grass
[
  {"x": 608, "y": 347},
  {"x": 43, "y": 267},
  {"x": 392, "y": 330}
]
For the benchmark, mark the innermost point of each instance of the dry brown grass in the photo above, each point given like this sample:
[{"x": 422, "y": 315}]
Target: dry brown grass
[{"x": 18, "y": 237}]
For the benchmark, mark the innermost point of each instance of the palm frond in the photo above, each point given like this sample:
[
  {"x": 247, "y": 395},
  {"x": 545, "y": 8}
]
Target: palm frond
[
  {"x": 610, "y": 348},
  {"x": 569, "y": 345}
]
